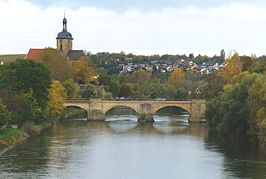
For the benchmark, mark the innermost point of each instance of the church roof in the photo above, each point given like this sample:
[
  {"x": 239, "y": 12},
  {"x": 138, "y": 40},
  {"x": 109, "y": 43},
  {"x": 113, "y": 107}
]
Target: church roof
[
  {"x": 64, "y": 35},
  {"x": 34, "y": 54},
  {"x": 75, "y": 54}
]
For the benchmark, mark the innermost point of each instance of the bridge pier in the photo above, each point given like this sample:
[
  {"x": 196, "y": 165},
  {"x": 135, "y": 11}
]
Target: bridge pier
[
  {"x": 145, "y": 113},
  {"x": 95, "y": 115},
  {"x": 146, "y": 117},
  {"x": 198, "y": 108}
]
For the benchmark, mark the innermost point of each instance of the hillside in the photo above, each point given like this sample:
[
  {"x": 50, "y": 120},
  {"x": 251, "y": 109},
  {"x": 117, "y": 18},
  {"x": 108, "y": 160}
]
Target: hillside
[{"x": 11, "y": 58}]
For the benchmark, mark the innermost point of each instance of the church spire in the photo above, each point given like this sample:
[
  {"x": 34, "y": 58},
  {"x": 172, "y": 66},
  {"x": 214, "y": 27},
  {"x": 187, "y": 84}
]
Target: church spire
[{"x": 65, "y": 23}]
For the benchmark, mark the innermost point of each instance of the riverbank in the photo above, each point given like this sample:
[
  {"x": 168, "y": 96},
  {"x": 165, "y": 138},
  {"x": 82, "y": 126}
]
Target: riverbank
[{"x": 11, "y": 137}]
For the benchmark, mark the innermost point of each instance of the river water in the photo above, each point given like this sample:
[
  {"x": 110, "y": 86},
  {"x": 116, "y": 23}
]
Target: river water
[{"x": 122, "y": 148}]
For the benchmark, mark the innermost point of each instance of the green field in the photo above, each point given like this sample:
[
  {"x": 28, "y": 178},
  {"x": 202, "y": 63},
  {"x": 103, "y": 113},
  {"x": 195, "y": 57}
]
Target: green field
[{"x": 11, "y": 58}]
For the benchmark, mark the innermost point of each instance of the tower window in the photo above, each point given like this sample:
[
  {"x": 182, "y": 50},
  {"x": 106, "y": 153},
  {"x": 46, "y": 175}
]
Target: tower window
[{"x": 61, "y": 47}]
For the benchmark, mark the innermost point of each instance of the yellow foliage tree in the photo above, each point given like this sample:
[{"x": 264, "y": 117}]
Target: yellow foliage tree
[
  {"x": 177, "y": 78},
  {"x": 83, "y": 70},
  {"x": 56, "y": 96},
  {"x": 233, "y": 67},
  {"x": 176, "y": 81}
]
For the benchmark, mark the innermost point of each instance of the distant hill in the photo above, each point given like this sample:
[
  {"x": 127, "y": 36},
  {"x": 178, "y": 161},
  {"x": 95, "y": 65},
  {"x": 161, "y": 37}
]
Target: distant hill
[{"x": 12, "y": 57}]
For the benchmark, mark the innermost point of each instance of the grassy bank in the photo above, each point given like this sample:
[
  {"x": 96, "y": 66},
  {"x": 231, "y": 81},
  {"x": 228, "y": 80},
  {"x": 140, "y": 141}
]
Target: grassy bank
[{"x": 10, "y": 137}]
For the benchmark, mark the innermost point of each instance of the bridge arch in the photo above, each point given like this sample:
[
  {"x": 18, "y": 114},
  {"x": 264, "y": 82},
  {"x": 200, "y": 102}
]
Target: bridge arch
[
  {"x": 107, "y": 110},
  {"x": 176, "y": 107},
  {"x": 74, "y": 113},
  {"x": 185, "y": 107}
]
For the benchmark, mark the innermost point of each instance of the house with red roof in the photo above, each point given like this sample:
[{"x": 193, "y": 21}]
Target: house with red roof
[{"x": 34, "y": 54}]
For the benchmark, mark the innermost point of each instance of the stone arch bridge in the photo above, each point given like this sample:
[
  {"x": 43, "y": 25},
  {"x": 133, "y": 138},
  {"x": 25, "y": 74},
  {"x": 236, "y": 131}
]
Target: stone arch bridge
[{"x": 97, "y": 108}]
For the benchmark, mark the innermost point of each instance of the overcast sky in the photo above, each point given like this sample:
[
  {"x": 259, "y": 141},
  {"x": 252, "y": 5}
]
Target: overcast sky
[{"x": 137, "y": 26}]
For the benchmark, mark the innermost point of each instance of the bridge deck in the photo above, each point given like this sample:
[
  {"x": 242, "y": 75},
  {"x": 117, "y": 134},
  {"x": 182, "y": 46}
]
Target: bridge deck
[{"x": 130, "y": 101}]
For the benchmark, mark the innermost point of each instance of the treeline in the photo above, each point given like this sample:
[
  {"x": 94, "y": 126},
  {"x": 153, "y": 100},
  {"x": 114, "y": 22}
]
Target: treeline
[
  {"x": 239, "y": 111},
  {"x": 103, "y": 57},
  {"x": 177, "y": 85}
]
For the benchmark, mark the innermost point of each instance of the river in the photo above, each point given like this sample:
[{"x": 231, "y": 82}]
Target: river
[{"x": 121, "y": 148}]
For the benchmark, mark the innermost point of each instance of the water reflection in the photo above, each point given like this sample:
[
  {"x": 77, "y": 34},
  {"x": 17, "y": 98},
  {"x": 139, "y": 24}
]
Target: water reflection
[
  {"x": 121, "y": 148},
  {"x": 121, "y": 126}
]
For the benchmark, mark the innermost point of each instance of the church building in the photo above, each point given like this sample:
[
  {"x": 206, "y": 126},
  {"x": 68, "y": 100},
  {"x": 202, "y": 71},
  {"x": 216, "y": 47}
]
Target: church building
[{"x": 64, "y": 43}]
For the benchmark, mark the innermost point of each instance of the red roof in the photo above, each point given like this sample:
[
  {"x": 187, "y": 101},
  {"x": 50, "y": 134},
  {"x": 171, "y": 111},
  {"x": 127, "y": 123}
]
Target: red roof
[{"x": 34, "y": 54}]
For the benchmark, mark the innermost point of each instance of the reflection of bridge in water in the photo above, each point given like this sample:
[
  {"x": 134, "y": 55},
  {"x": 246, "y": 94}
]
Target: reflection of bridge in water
[
  {"x": 96, "y": 108},
  {"x": 157, "y": 128}
]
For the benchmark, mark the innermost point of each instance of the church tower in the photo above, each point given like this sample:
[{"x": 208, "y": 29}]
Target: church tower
[{"x": 64, "y": 40}]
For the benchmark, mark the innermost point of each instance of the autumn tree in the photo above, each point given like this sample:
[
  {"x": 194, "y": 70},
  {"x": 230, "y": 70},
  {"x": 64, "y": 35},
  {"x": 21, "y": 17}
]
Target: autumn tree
[
  {"x": 57, "y": 63},
  {"x": 71, "y": 88},
  {"x": 177, "y": 78},
  {"x": 233, "y": 67},
  {"x": 83, "y": 70},
  {"x": 28, "y": 108},
  {"x": 140, "y": 76},
  {"x": 175, "y": 81},
  {"x": 55, "y": 105}
]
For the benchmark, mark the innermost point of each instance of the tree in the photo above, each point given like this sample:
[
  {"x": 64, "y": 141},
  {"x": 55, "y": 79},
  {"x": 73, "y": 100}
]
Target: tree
[
  {"x": 91, "y": 91},
  {"x": 177, "y": 78},
  {"x": 104, "y": 79},
  {"x": 55, "y": 105},
  {"x": 114, "y": 87},
  {"x": 222, "y": 54},
  {"x": 4, "y": 115},
  {"x": 125, "y": 90},
  {"x": 23, "y": 75},
  {"x": 144, "y": 82},
  {"x": 71, "y": 88},
  {"x": 259, "y": 66},
  {"x": 181, "y": 94},
  {"x": 158, "y": 89},
  {"x": 57, "y": 63},
  {"x": 207, "y": 86},
  {"x": 239, "y": 112},
  {"x": 84, "y": 71},
  {"x": 140, "y": 76},
  {"x": 233, "y": 67},
  {"x": 191, "y": 56},
  {"x": 28, "y": 109},
  {"x": 246, "y": 63},
  {"x": 257, "y": 108}
]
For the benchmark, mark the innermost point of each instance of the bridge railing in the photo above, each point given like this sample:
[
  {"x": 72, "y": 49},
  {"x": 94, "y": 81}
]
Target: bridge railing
[{"x": 128, "y": 99}]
